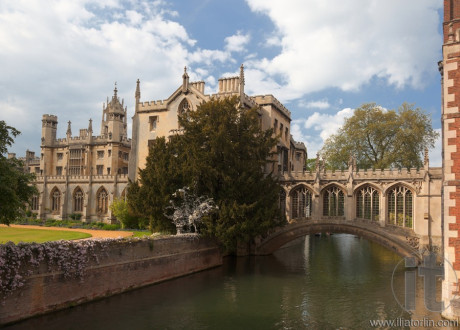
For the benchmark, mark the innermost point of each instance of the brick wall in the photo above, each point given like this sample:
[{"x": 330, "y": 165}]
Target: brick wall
[{"x": 124, "y": 265}]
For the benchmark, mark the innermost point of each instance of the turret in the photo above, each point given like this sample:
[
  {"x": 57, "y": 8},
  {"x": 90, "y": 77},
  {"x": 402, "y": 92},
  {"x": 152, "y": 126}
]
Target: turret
[
  {"x": 49, "y": 128},
  {"x": 113, "y": 123}
]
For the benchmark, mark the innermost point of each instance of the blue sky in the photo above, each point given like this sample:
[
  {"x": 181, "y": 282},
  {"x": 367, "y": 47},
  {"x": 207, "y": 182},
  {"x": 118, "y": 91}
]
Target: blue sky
[{"x": 321, "y": 59}]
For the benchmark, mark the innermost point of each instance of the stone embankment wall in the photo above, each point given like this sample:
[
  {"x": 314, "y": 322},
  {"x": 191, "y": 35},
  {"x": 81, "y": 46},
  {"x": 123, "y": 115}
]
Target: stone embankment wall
[{"x": 118, "y": 266}]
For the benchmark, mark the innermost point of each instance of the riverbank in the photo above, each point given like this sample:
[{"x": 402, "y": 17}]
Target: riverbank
[{"x": 116, "y": 266}]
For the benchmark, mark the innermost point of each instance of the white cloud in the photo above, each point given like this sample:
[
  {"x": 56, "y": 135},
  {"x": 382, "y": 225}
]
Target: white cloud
[
  {"x": 435, "y": 154},
  {"x": 320, "y": 104},
  {"x": 315, "y": 129},
  {"x": 345, "y": 44},
  {"x": 237, "y": 42},
  {"x": 63, "y": 58}
]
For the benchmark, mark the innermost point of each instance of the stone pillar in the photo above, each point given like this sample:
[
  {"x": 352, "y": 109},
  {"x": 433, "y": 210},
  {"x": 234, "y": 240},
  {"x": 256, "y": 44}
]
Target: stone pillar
[{"x": 450, "y": 123}]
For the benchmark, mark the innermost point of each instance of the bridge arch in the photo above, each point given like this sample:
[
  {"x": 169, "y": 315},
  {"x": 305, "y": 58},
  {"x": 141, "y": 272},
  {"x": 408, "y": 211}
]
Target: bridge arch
[{"x": 399, "y": 245}]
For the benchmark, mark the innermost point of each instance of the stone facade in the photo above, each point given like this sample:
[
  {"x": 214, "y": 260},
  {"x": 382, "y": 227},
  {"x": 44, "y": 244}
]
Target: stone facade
[
  {"x": 450, "y": 121},
  {"x": 407, "y": 200},
  {"x": 154, "y": 119},
  {"x": 82, "y": 174}
]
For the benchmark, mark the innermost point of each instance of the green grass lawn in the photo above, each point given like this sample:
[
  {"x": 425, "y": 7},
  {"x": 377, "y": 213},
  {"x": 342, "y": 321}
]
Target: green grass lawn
[
  {"x": 17, "y": 235},
  {"x": 137, "y": 233}
]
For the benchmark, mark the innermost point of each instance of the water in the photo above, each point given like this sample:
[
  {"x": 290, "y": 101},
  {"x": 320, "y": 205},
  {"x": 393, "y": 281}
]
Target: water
[{"x": 329, "y": 282}]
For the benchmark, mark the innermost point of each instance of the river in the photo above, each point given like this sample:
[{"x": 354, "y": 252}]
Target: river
[{"x": 328, "y": 282}]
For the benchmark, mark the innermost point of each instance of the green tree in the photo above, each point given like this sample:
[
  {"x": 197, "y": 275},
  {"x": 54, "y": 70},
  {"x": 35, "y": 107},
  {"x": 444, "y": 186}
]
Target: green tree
[
  {"x": 16, "y": 188},
  {"x": 225, "y": 152},
  {"x": 157, "y": 182},
  {"x": 381, "y": 139},
  {"x": 221, "y": 155}
]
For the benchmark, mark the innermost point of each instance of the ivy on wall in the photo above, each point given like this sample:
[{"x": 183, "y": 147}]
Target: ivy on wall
[{"x": 71, "y": 258}]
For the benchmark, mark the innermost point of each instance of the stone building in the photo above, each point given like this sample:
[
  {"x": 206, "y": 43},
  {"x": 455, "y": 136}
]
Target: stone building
[
  {"x": 449, "y": 68},
  {"x": 405, "y": 201},
  {"x": 154, "y": 119},
  {"x": 82, "y": 174}
]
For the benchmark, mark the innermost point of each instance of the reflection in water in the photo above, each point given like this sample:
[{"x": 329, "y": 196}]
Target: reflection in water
[{"x": 327, "y": 282}]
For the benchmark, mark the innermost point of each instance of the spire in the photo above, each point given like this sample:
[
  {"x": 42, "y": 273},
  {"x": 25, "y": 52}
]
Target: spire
[
  {"x": 90, "y": 126},
  {"x": 185, "y": 80},
  {"x": 69, "y": 129},
  {"x": 241, "y": 86},
  {"x": 115, "y": 91},
  {"x": 138, "y": 91}
]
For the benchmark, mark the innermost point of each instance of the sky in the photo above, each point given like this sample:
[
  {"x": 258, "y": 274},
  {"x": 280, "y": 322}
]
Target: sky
[{"x": 321, "y": 59}]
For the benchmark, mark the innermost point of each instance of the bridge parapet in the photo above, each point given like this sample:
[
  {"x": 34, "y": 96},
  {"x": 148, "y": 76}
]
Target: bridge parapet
[{"x": 403, "y": 242}]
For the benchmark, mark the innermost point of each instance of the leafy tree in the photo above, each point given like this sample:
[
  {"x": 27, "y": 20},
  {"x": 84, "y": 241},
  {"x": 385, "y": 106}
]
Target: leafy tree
[
  {"x": 221, "y": 155},
  {"x": 310, "y": 164},
  {"x": 16, "y": 189},
  {"x": 381, "y": 139},
  {"x": 121, "y": 211},
  {"x": 224, "y": 154},
  {"x": 158, "y": 181}
]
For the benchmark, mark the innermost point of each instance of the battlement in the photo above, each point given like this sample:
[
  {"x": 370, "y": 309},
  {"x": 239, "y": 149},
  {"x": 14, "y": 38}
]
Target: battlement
[
  {"x": 362, "y": 174},
  {"x": 50, "y": 117},
  {"x": 198, "y": 85},
  {"x": 229, "y": 85},
  {"x": 271, "y": 100}
]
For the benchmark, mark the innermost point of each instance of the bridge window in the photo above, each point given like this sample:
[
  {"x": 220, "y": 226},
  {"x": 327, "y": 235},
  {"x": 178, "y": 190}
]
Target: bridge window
[
  {"x": 301, "y": 203},
  {"x": 282, "y": 202},
  {"x": 367, "y": 204},
  {"x": 400, "y": 207},
  {"x": 333, "y": 202}
]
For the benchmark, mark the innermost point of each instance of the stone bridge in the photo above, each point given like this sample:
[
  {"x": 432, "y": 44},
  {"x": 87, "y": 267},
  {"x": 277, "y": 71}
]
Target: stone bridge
[
  {"x": 398, "y": 208},
  {"x": 402, "y": 241}
]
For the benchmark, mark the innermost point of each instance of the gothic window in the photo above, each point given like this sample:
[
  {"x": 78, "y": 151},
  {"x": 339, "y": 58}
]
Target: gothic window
[
  {"x": 76, "y": 162},
  {"x": 58, "y": 170},
  {"x": 400, "y": 207},
  {"x": 55, "y": 197},
  {"x": 184, "y": 107},
  {"x": 78, "y": 200},
  {"x": 153, "y": 120},
  {"x": 100, "y": 154},
  {"x": 333, "y": 202},
  {"x": 367, "y": 203},
  {"x": 34, "y": 203},
  {"x": 301, "y": 203},
  {"x": 102, "y": 201},
  {"x": 100, "y": 169},
  {"x": 282, "y": 202}
]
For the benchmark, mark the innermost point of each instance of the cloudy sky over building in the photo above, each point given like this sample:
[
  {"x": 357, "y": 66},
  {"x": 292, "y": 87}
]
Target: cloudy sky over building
[{"x": 320, "y": 58}]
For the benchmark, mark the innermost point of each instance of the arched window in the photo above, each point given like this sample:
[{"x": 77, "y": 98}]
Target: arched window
[
  {"x": 184, "y": 106},
  {"x": 333, "y": 202},
  {"x": 400, "y": 207},
  {"x": 34, "y": 203},
  {"x": 282, "y": 202},
  {"x": 78, "y": 200},
  {"x": 102, "y": 201},
  {"x": 301, "y": 203},
  {"x": 367, "y": 203},
  {"x": 55, "y": 197}
]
